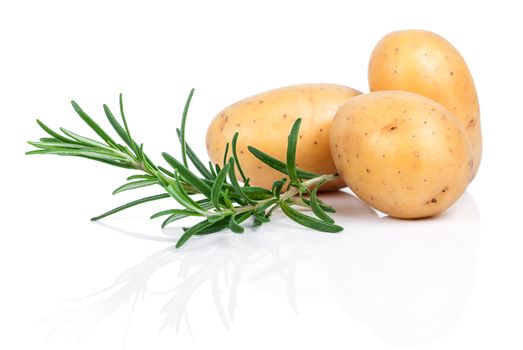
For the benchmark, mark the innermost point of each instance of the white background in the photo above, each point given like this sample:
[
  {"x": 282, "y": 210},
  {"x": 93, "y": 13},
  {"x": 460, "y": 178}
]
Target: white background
[{"x": 452, "y": 282}]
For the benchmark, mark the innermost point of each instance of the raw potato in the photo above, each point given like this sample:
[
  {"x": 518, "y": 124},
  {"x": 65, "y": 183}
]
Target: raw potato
[
  {"x": 401, "y": 153},
  {"x": 265, "y": 120},
  {"x": 424, "y": 62}
]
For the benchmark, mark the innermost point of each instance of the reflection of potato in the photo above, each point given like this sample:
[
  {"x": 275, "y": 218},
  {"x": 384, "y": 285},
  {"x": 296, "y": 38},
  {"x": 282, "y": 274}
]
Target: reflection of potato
[
  {"x": 408, "y": 281},
  {"x": 265, "y": 120},
  {"x": 401, "y": 153},
  {"x": 425, "y": 63}
]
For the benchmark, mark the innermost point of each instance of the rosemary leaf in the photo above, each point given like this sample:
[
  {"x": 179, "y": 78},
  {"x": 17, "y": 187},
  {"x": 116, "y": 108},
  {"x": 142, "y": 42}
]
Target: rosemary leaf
[
  {"x": 234, "y": 226},
  {"x": 188, "y": 175},
  {"x": 279, "y": 165},
  {"x": 130, "y": 204},
  {"x": 93, "y": 125},
  {"x": 177, "y": 215},
  {"x": 291, "y": 152},
  {"x": 308, "y": 221},
  {"x": 217, "y": 186},
  {"x": 184, "y": 119},
  {"x": 135, "y": 184},
  {"x": 315, "y": 205},
  {"x": 198, "y": 164}
]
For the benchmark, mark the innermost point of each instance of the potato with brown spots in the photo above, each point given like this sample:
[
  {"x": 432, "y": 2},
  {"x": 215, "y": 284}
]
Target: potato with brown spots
[
  {"x": 401, "y": 153},
  {"x": 264, "y": 121},
  {"x": 424, "y": 62}
]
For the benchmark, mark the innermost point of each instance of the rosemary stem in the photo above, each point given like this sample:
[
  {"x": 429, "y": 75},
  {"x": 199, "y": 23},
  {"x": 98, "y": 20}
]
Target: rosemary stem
[{"x": 287, "y": 195}]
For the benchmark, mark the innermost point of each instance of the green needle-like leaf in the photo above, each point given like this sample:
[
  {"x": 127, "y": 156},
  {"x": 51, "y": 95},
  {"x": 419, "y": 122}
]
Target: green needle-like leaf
[
  {"x": 315, "y": 205},
  {"x": 140, "y": 176},
  {"x": 277, "y": 186},
  {"x": 192, "y": 231},
  {"x": 53, "y": 133},
  {"x": 93, "y": 125},
  {"x": 217, "y": 186},
  {"x": 136, "y": 184},
  {"x": 308, "y": 221},
  {"x": 130, "y": 204},
  {"x": 177, "y": 215},
  {"x": 198, "y": 164},
  {"x": 235, "y": 184},
  {"x": 291, "y": 152},
  {"x": 163, "y": 213},
  {"x": 235, "y": 155},
  {"x": 182, "y": 129},
  {"x": 84, "y": 140},
  {"x": 234, "y": 226},
  {"x": 225, "y": 154},
  {"x": 279, "y": 165},
  {"x": 188, "y": 175},
  {"x": 117, "y": 127}
]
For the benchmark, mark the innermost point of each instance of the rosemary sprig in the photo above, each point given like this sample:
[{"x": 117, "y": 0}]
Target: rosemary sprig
[{"x": 226, "y": 202}]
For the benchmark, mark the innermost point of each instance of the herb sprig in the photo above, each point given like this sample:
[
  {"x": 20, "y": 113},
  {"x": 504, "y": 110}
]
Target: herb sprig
[{"x": 213, "y": 192}]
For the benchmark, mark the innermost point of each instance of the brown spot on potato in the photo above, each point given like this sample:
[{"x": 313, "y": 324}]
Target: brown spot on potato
[
  {"x": 434, "y": 200},
  {"x": 452, "y": 73},
  {"x": 390, "y": 127},
  {"x": 237, "y": 124},
  {"x": 315, "y": 142},
  {"x": 259, "y": 167},
  {"x": 284, "y": 116},
  {"x": 260, "y": 101}
]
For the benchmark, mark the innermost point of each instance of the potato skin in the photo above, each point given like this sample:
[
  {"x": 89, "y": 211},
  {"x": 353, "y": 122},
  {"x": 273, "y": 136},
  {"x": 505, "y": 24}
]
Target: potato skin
[
  {"x": 401, "y": 153},
  {"x": 265, "y": 120},
  {"x": 424, "y": 62}
]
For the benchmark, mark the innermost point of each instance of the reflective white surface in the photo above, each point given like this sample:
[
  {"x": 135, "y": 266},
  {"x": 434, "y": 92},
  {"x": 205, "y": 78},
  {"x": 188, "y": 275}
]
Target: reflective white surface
[{"x": 407, "y": 282}]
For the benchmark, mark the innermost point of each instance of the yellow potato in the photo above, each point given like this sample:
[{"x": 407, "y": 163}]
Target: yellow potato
[
  {"x": 423, "y": 62},
  {"x": 401, "y": 153},
  {"x": 265, "y": 120}
]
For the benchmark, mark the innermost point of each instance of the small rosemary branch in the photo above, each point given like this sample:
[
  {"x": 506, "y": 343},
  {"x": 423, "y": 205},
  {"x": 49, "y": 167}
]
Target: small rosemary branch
[{"x": 213, "y": 193}]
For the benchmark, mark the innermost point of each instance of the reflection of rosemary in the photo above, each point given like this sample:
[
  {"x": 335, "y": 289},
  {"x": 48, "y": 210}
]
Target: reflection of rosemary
[{"x": 220, "y": 198}]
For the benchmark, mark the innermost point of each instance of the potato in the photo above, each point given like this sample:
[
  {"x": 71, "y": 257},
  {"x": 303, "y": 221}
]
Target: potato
[
  {"x": 265, "y": 120},
  {"x": 423, "y": 62},
  {"x": 401, "y": 153}
]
